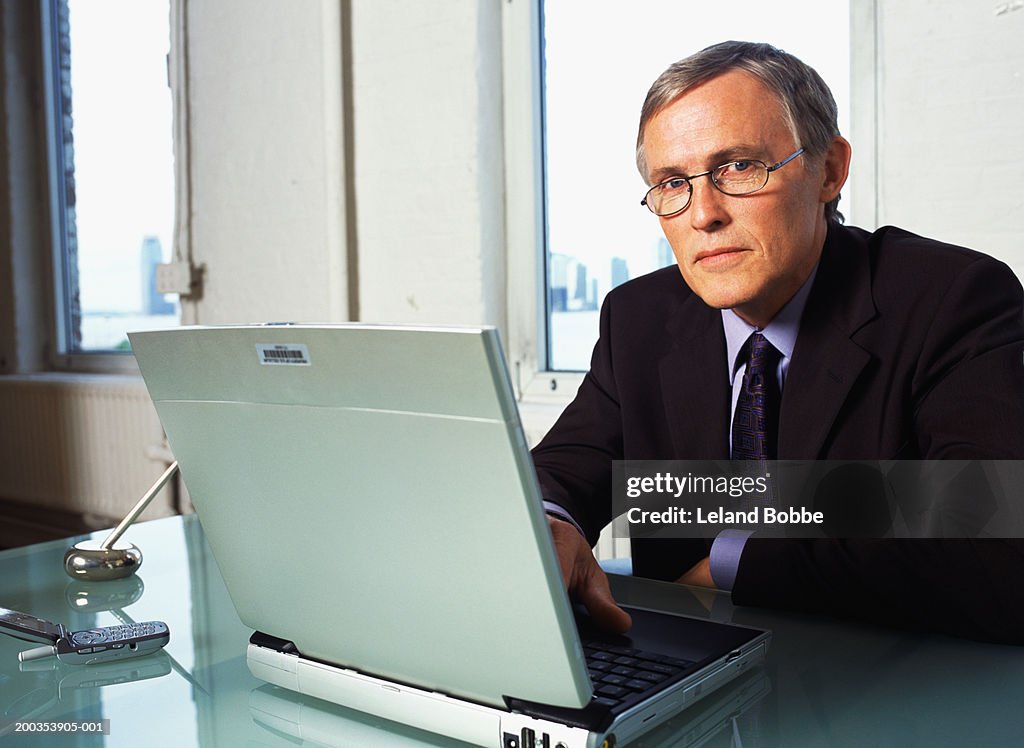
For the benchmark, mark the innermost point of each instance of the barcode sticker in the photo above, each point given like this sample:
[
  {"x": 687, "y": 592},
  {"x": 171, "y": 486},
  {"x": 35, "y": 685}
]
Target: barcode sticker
[{"x": 286, "y": 355}]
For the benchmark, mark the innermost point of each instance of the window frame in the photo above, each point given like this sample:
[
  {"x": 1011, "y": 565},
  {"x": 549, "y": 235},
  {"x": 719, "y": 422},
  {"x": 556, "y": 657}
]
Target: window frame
[
  {"x": 60, "y": 274},
  {"x": 526, "y": 219},
  {"x": 525, "y": 209}
]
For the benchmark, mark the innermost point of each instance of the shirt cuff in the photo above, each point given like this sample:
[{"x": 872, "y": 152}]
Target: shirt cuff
[
  {"x": 559, "y": 512},
  {"x": 725, "y": 557}
]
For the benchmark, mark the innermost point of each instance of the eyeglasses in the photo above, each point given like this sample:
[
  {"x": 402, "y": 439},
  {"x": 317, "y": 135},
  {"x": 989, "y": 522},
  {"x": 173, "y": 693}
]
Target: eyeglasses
[{"x": 735, "y": 178}]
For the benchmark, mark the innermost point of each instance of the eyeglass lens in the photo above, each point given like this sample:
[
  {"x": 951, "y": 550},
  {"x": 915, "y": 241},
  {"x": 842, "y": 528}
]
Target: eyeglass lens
[{"x": 735, "y": 178}]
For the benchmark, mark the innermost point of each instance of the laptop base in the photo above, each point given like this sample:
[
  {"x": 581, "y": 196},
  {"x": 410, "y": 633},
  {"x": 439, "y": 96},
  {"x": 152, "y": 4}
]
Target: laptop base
[
  {"x": 278, "y": 662},
  {"x": 456, "y": 718}
]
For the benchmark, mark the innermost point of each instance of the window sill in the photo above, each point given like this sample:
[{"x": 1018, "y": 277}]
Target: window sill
[{"x": 74, "y": 378}]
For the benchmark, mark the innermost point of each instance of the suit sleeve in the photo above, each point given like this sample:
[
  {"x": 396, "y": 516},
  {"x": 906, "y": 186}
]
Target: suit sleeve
[
  {"x": 574, "y": 460},
  {"x": 968, "y": 396}
]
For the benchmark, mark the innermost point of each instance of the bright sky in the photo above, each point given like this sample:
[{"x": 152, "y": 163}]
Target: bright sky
[
  {"x": 124, "y": 179},
  {"x": 602, "y": 58}
]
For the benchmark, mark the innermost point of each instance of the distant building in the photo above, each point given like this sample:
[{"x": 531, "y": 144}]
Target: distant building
[
  {"x": 664, "y": 254},
  {"x": 152, "y": 255},
  {"x": 579, "y": 294},
  {"x": 620, "y": 271},
  {"x": 558, "y": 288},
  {"x": 570, "y": 287}
]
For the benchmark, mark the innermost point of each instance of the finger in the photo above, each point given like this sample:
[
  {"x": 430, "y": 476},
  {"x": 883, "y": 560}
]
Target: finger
[{"x": 596, "y": 596}]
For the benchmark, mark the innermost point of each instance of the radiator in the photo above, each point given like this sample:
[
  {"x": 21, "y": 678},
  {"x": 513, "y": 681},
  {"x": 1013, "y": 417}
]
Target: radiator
[
  {"x": 77, "y": 451},
  {"x": 80, "y": 444}
]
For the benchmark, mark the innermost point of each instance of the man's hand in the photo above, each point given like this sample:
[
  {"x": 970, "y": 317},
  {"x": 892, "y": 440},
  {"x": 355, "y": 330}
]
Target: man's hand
[
  {"x": 699, "y": 575},
  {"x": 585, "y": 579}
]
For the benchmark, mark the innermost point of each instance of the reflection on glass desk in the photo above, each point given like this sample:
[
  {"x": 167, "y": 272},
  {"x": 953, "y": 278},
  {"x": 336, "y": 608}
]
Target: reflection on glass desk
[{"x": 825, "y": 682}]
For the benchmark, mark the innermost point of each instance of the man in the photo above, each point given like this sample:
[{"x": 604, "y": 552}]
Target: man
[{"x": 884, "y": 345}]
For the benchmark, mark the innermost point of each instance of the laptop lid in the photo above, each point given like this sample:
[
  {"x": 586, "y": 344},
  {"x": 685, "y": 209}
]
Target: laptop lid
[{"x": 368, "y": 495}]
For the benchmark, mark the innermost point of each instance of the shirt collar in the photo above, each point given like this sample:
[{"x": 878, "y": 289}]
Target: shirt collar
[{"x": 781, "y": 332}]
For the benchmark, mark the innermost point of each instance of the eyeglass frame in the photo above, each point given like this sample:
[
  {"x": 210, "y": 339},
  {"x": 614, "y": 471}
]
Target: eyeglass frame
[{"x": 689, "y": 181}]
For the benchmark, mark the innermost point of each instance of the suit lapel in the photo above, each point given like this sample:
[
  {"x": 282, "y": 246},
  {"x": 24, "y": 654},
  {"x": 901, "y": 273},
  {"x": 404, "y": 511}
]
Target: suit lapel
[
  {"x": 694, "y": 382},
  {"x": 826, "y": 362}
]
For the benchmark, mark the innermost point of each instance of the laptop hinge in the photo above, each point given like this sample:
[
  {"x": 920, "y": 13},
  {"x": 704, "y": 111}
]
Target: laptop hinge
[
  {"x": 594, "y": 717},
  {"x": 272, "y": 642}
]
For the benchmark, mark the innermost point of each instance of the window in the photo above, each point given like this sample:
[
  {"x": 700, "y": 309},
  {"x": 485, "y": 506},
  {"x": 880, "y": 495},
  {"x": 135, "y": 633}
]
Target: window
[
  {"x": 112, "y": 169},
  {"x": 597, "y": 66}
]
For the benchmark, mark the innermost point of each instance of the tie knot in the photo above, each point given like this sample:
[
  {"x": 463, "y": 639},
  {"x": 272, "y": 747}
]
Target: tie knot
[
  {"x": 763, "y": 360},
  {"x": 763, "y": 355}
]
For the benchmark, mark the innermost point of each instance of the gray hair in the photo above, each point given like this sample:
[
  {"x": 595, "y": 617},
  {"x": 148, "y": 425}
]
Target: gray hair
[{"x": 806, "y": 100}]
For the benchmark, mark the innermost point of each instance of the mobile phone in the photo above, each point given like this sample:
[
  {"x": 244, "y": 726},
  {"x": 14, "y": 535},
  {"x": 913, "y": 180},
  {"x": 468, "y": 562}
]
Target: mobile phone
[
  {"x": 88, "y": 646},
  {"x": 112, "y": 642},
  {"x": 29, "y": 628}
]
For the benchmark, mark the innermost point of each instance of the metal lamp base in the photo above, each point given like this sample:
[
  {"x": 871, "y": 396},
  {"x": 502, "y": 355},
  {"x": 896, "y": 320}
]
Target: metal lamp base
[
  {"x": 112, "y": 559},
  {"x": 88, "y": 560}
]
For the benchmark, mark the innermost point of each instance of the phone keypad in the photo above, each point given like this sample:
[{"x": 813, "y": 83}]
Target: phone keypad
[
  {"x": 116, "y": 635},
  {"x": 82, "y": 638}
]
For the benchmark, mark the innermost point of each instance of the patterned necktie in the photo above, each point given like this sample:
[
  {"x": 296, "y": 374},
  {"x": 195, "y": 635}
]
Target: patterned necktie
[{"x": 755, "y": 426}]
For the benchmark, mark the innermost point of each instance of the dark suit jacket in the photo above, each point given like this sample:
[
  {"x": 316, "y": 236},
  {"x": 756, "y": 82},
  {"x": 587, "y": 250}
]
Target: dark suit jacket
[{"x": 908, "y": 349}]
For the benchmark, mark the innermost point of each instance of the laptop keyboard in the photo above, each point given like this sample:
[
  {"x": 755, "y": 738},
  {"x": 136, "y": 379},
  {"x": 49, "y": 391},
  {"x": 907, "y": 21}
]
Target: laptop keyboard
[{"x": 620, "y": 673}]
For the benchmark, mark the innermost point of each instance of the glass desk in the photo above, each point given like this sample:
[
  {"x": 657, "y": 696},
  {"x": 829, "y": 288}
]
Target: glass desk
[{"x": 825, "y": 682}]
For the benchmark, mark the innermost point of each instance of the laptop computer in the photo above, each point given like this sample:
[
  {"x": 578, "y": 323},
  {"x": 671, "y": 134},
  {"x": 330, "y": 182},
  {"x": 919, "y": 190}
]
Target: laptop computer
[{"x": 369, "y": 497}]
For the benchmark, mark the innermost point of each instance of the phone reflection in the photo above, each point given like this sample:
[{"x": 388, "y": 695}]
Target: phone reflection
[{"x": 56, "y": 683}]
